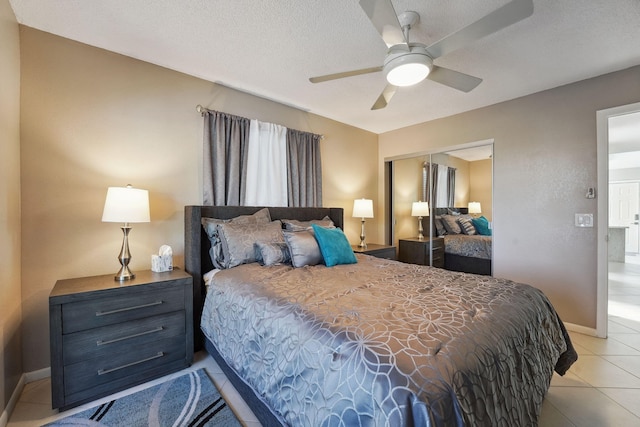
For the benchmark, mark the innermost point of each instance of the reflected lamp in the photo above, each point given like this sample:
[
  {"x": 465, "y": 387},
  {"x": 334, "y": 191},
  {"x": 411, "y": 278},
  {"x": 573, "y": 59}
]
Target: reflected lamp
[
  {"x": 420, "y": 209},
  {"x": 475, "y": 208},
  {"x": 362, "y": 208}
]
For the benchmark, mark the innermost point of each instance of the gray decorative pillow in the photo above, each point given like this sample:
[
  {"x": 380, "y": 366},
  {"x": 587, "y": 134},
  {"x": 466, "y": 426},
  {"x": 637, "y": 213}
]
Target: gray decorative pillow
[
  {"x": 295, "y": 225},
  {"x": 303, "y": 248},
  {"x": 450, "y": 223},
  {"x": 440, "y": 230},
  {"x": 210, "y": 226},
  {"x": 273, "y": 253},
  {"x": 238, "y": 240},
  {"x": 467, "y": 226}
]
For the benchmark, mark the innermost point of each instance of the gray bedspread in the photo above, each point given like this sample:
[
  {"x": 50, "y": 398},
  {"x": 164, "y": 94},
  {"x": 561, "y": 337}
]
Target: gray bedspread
[{"x": 383, "y": 343}]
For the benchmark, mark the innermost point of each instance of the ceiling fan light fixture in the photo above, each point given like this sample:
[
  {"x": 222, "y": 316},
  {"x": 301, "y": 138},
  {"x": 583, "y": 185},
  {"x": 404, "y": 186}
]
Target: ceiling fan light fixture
[
  {"x": 408, "y": 74},
  {"x": 407, "y": 68}
]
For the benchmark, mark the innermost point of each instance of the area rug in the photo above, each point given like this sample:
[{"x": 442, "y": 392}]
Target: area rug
[{"x": 189, "y": 400}]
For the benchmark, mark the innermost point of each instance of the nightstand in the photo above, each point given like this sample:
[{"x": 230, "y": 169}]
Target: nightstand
[
  {"x": 415, "y": 251},
  {"x": 107, "y": 336},
  {"x": 379, "y": 251}
]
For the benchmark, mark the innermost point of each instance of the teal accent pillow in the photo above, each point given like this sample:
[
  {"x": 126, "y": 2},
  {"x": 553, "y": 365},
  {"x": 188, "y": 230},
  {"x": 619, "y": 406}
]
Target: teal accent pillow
[
  {"x": 334, "y": 246},
  {"x": 482, "y": 226}
]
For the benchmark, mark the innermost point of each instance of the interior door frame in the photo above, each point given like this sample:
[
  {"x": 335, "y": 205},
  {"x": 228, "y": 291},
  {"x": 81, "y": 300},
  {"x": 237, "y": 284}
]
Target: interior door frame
[{"x": 602, "y": 154}]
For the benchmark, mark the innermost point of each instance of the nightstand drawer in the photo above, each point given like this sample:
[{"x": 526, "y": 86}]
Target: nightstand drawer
[
  {"x": 135, "y": 304},
  {"x": 105, "y": 341},
  {"x": 428, "y": 251},
  {"x": 437, "y": 244},
  {"x": 135, "y": 362}
]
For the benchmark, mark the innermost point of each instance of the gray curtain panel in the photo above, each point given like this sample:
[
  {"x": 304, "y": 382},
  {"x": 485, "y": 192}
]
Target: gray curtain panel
[
  {"x": 226, "y": 139},
  {"x": 225, "y": 156},
  {"x": 430, "y": 184},
  {"x": 451, "y": 185},
  {"x": 304, "y": 169}
]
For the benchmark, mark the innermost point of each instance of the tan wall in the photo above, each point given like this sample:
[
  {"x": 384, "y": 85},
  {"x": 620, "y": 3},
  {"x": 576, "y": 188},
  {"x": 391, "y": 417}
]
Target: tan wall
[
  {"x": 481, "y": 185},
  {"x": 10, "y": 305},
  {"x": 407, "y": 188},
  {"x": 544, "y": 161},
  {"x": 93, "y": 119}
]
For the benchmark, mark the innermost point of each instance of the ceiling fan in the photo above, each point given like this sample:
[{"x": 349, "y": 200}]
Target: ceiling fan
[{"x": 408, "y": 63}]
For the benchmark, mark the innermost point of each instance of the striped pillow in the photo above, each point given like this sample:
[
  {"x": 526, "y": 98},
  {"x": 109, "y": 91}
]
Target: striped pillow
[{"x": 467, "y": 227}]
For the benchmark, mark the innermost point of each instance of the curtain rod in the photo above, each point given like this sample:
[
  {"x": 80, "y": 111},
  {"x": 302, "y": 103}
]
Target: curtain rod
[{"x": 202, "y": 110}]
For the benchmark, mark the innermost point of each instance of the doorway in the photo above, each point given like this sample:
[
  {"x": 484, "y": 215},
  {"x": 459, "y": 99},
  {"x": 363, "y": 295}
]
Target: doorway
[{"x": 618, "y": 151}]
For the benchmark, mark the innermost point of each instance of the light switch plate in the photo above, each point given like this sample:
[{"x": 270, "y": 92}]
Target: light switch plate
[{"x": 584, "y": 220}]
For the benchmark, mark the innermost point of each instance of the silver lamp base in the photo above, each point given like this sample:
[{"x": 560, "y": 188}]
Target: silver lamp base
[
  {"x": 362, "y": 244},
  {"x": 420, "y": 230},
  {"x": 124, "y": 273}
]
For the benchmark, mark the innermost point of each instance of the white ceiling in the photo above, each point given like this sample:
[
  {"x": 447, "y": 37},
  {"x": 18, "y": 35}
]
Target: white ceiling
[{"x": 270, "y": 48}]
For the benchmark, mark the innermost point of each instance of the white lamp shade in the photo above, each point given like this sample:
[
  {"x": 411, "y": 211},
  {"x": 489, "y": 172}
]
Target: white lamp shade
[
  {"x": 126, "y": 204},
  {"x": 420, "y": 209},
  {"x": 475, "y": 208},
  {"x": 363, "y": 208}
]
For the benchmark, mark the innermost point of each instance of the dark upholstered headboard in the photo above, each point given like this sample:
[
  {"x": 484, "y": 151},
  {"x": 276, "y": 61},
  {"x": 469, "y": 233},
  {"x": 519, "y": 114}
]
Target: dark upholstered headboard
[
  {"x": 444, "y": 211},
  {"x": 196, "y": 243}
]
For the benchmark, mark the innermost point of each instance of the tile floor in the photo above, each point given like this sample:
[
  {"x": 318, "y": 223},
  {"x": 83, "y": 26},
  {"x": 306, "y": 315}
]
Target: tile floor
[{"x": 601, "y": 389}]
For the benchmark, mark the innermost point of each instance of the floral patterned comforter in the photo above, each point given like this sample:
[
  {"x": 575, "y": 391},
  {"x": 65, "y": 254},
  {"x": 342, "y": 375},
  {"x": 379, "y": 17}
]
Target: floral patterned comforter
[
  {"x": 383, "y": 343},
  {"x": 474, "y": 246}
]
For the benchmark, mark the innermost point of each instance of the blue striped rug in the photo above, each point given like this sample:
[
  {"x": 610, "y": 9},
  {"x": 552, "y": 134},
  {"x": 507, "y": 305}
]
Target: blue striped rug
[{"x": 189, "y": 400}]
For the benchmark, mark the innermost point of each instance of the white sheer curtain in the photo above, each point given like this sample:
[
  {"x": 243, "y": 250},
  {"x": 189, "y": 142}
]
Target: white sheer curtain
[
  {"x": 266, "y": 183},
  {"x": 442, "y": 189}
]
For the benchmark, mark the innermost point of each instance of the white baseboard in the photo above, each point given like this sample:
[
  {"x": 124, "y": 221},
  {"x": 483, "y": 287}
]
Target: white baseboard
[
  {"x": 38, "y": 375},
  {"x": 25, "y": 378},
  {"x": 13, "y": 401},
  {"x": 580, "y": 329}
]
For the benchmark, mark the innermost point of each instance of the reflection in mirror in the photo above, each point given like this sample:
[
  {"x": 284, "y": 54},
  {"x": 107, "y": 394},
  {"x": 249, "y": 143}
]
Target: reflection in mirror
[{"x": 450, "y": 179}]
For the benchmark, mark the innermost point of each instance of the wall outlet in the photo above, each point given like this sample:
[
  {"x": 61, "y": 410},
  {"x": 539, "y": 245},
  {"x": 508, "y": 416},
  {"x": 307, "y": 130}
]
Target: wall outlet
[{"x": 584, "y": 220}]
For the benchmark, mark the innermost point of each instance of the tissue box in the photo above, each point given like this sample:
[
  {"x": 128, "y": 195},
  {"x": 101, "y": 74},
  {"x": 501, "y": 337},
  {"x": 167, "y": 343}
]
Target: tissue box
[{"x": 160, "y": 263}]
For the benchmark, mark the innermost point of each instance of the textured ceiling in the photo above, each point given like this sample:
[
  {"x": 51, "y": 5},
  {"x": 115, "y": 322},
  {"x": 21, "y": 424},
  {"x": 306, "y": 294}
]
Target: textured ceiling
[{"x": 270, "y": 48}]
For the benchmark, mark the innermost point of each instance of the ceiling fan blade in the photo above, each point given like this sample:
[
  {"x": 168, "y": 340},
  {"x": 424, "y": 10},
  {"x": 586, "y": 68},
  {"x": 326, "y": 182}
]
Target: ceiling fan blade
[
  {"x": 454, "y": 79},
  {"x": 385, "y": 97},
  {"x": 344, "y": 74},
  {"x": 500, "y": 18},
  {"x": 385, "y": 20}
]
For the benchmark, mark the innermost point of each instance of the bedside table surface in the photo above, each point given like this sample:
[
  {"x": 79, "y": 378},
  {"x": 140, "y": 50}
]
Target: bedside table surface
[
  {"x": 378, "y": 251},
  {"x": 106, "y": 282},
  {"x": 425, "y": 239},
  {"x": 371, "y": 247}
]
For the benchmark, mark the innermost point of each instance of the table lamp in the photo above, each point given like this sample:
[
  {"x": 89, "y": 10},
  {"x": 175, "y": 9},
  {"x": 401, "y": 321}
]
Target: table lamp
[
  {"x": 362, "y": 208},
  {"x": 475, "y": 208},
  {"x": 126, "y": 205},
  {"x": 420, "y": 209}
]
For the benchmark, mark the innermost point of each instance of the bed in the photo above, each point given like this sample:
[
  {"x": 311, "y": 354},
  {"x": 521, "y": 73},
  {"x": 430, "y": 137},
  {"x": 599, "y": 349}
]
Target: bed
[
  {"x": 468, "y": 253},
  {"x": 375, "y": 342}
]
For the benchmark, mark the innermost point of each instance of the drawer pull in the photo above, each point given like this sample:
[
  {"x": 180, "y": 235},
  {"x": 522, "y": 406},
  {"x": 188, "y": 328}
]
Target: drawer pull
[
  {"x": 120, "y": 310},
  {"x": 108, "y": 371},
  {"x": 139, "y": 334}
]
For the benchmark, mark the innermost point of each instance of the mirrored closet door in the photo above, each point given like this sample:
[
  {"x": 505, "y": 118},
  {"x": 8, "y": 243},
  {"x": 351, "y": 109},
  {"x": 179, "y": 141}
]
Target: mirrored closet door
[{"x": 443, "y": 198}]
